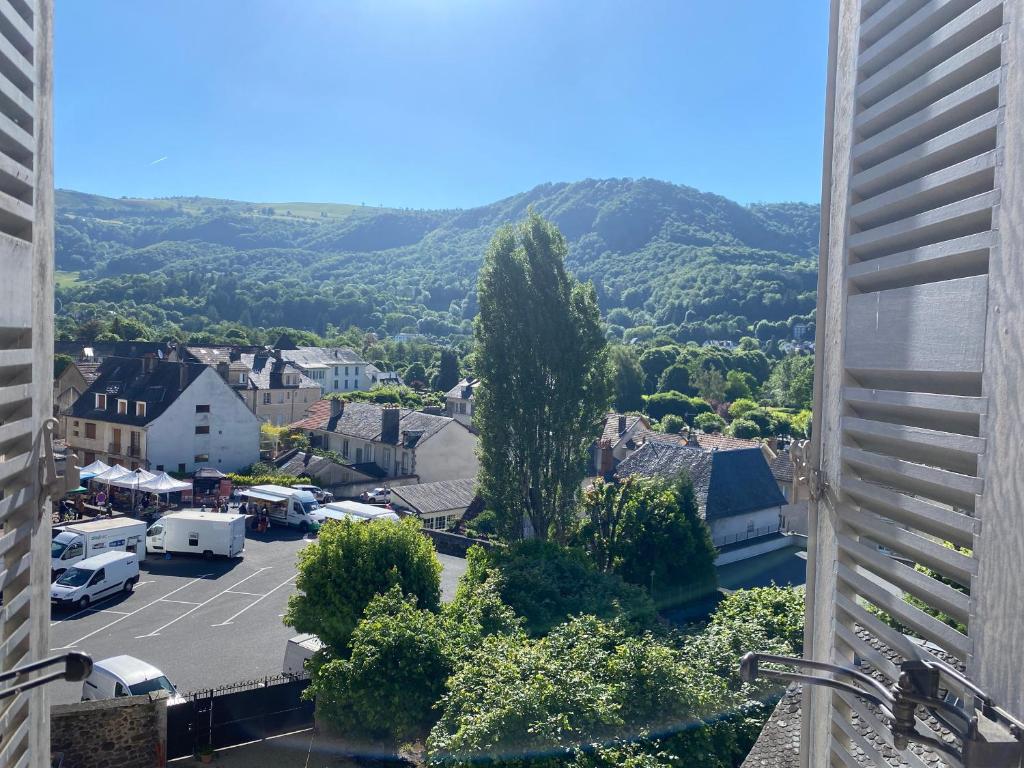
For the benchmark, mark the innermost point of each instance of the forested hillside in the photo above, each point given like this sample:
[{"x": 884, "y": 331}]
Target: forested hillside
[{"x": 667, "y": 261}]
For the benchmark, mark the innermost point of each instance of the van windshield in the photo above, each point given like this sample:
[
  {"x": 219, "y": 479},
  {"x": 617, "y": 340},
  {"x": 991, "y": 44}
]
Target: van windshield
[
  {"x": 57, "y": 549},
  {"x": 155, "y": 684},
  {"x": 76, "y": 577},
  {"x": 309, "y": 506}
]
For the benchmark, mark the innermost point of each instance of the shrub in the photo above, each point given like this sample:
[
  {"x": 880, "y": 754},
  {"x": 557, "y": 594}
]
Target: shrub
[
  {"x": 709, "y": 422},
  {"x": 744, "y": 428}
]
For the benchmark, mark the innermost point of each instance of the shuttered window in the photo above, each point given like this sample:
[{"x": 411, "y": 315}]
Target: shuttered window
[
  {"x": 910, "y": 231},
  {"x": 26, "y": 353}
]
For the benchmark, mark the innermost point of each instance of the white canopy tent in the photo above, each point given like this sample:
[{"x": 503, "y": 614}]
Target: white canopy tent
[
  {"x": 132, "y": 478},
  {"x": 94, "y": 469},
  {"x": 164, "y": 483},
  {"x": 113, "y": 473}
]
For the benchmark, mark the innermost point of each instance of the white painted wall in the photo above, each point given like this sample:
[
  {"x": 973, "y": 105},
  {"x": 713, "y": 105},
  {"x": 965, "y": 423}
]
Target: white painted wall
[
  {"x": 449, "y": 454},
  {"x": 739, "y": 524},
  {"x": 234, "y": 438}
]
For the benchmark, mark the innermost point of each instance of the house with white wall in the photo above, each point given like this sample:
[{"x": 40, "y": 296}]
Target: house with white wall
[
  {"x": 335, "y": 369},
  {"x": 393, "y": 442},
  {"x": 162, "y": 416},
  {"x": 736, "y": 494},
  {"x": 460, "y": 400}
]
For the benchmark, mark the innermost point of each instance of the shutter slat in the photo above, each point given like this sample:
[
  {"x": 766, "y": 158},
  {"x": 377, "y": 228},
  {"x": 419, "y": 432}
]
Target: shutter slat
[
  {"x": 959, "y": 257},
  {"x": 913, "y": 511}
]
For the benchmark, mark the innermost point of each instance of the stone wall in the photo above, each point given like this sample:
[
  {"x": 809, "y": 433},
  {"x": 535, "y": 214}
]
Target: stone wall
[
  {"x": 452, "y": 543},
  {"x": 128, "y": 732}
]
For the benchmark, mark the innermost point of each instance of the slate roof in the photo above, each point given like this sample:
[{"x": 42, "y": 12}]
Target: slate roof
[
  {"x": 126, "y": 379},
  {"x": 298, "y": 462},
  {"x": 610, "y": 431},
  {"x": 709, "y": 441},
  {"x": 309, "y": 356},
  {"x": 459, "y": 390},
  {"x": 778, "y": 746},
  {"x": 267, "y": 372},
  {"x": 363, "y": 421},
  {"x": 208, "y": 355},
  {"x": 428, "y": 498},
  {"x": 105, "y": 349},
  {"x": 782, "y": 467},
  {"x": 726, "y": 483},
  {"x": 90, "y": 371}
]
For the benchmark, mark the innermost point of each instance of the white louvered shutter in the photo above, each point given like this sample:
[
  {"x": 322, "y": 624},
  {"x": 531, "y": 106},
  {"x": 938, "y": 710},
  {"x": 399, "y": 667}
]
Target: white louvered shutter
[
  {"x": 26, "y": 368},
  {"x": 920, "y": 353}
]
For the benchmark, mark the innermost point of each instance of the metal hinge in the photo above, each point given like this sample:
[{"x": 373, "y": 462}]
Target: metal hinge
[{"x": 52, "y": 484}]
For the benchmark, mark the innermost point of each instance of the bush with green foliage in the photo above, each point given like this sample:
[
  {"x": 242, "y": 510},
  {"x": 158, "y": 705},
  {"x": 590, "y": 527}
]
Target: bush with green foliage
[
  {"x": 676, "y": 378},
  {"x": 791, "y": 384},
  {"x": 627, "y": 379},
  {"x": 546, "y": 583},
  {"x": 649, "y": 532},
  {"x": 745, "y": 429},
  {"x": 662, "y": 404},
  {"x": 249, "y": 480},
  {"x": 350, "y": 563},
  {"x": 672, "y": 424},
  {"x": 738, "y": 408},
  {"x": 709, "y": 422}
]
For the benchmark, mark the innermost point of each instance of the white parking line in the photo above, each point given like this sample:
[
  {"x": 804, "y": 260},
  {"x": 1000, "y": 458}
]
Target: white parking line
[
  {"x": 250, "y": 605},
  {"x": 157, "y": 631},
  {"x": 180, "y": 602},
  {"x": 118, "y": 621},
  {"x": 247, "y": 594},
  {"x": 108, "y": 610}
]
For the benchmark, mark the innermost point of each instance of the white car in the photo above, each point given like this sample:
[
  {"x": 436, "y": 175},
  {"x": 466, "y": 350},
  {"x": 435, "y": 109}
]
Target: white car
[
  {"x": 318, "y": 493},
  {"x": 126, "y": 676},
  {"x": 377, "y": 495}
]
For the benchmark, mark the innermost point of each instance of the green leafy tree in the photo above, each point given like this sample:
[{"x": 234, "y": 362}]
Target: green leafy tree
[
  {"x": 709, "y": 422},
  {"x": 415, "y": 374},
  {"x": 739, "y": 384},
  {"x": 672, "y": 424},
  {"x": 60, "y": 362},
  {"x": 740, "y": 407},
  {"x": 779, "y": 611},
  {"x": 448, "y": 374},
  {"x": 350, "y": 563},
  {"x": 744, "y": 428},
  {"x": 710, "y": 384},
  {"x": 766, "y": 423},
  {"x": 662, "y": 404},
  {"x": 650, "y": 533},
  {"x": 542, "y": 361},
  {"x": 654, "y": 361},
  {"x": 791, "y": 383},
  {"x": 627, "y": 379},
  {"x": 546, "y": 583},
  {"x": 801, "y": 424},
  {"x": 675, "y": 378}
]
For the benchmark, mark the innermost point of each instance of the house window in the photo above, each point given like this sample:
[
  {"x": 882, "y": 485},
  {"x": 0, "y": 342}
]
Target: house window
[
  {"x": 203, "y": 430},
  {"x": 280, "y": 397},
  {"x": 462, "y": 407},
  {"x": 335, "y": 371},
  {"x": 335, "y": 383},
  {"x": 101, "y": 401},
  {"x": 266, "y": 398},
  {"x": 344, "y": 448},
  {"x": 203, "y": 408},
  {"x": 359, "y": 455},
  {"x": 346, "y": 373},
  {"x": 241, "y": 377},
  {"x": 405, "y": 462},
  {"x": 88, "y": 458},
  {"x": 369, "y": 452},
  {"x": 201, "y": 458},
  {"x": 357, "y": 370},
  {"x": 181, "y": 469},
  {"x": 346, "y": 383},
  {"x": 386, "y": 462},
  {"x": 140, "y": 408},
  {"x": 122, "y": 406},
  {"x": 90, "y": 431},
  {"x": 76, "y": 423}
]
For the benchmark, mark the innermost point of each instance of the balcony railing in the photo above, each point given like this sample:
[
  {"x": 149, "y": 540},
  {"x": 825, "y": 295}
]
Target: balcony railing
[
  {"x": 114, "y": 448},
  {"x": 756, "y": 533}
]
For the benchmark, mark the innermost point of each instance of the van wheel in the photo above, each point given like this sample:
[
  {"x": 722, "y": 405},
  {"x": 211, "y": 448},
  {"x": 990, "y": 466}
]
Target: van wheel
[
  {"x": 208, "y": 554},
  {"x": 83, "y": 603},
  {"x": 129, "y": 586}
]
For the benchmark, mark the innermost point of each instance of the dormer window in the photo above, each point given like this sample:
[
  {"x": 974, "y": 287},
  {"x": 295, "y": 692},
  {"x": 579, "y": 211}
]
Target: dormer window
[
  {"x": 122, "y": 407},
  {"x": 140, "y": 408},
  {"x": 241, "y": 377},
  {"x": 101, "y": 401}
]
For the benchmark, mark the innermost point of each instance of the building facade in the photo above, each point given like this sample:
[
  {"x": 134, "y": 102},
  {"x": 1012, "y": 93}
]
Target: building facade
[
  {"x": 334, "y": 369},
  {"x": 460, "y": 400},
  {"x": 162, "y": 416}
]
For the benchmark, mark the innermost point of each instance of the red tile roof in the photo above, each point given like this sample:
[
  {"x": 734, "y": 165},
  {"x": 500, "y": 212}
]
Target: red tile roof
[{"x": 316, "y": 415}]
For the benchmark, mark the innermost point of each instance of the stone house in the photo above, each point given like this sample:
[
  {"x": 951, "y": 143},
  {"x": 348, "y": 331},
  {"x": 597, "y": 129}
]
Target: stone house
[{"x": 459, "y": 401}]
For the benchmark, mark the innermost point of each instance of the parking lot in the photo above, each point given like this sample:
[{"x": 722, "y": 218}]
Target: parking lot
[{"x": 203, "y": 623}]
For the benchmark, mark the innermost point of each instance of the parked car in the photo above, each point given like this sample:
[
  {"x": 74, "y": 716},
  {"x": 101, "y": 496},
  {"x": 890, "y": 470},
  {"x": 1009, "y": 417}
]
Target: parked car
[
  {"x": 126, "y": 676},
  {"x": 377, "y": 496},
  {"x": 94, "y": 578},
  {"x": 318, "y": 493}
]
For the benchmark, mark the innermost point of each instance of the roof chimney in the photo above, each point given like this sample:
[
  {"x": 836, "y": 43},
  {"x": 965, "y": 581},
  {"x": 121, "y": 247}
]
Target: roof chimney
[
  {"x": 389, "y": 418},
  {"x": 223, "y": 369},
  {"x": 337, "y": 407},
  {"x": 622, "y": 423},
  {"x": 148, "y": 363}
]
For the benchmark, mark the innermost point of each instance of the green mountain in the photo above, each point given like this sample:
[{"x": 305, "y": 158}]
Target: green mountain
[{"x": 664, "y": 258}]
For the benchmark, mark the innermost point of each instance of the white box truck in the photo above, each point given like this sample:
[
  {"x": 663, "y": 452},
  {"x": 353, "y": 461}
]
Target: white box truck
[
  {"x": 95, "y": 578},
  {"x": 78, "y": 541},
  {"x": 285, "y": 506},
  {"x": 198, "y": 532},
  {"x": 297, "y": 652}
]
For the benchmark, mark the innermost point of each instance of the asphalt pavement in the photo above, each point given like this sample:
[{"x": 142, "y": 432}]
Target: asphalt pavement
[{"x": 203, "y": 623}]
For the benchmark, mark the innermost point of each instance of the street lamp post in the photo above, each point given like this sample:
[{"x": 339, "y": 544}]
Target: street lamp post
[{"x": 138, "y": 471}]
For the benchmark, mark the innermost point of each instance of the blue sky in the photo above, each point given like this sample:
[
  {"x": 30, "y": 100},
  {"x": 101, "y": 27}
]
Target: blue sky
[{"x": 437, "y": 103}]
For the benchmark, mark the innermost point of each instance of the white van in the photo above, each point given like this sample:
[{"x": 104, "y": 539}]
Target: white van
[
  {"x": 297, "y": 652},
  {"x": 319, "y": 493},
  {"x": 77, "y": 541},
  {"x": 126, "y": 676},
  {"x": 95, "y": 578},
  {"x": 285, "y": 506},
  {"x": 199, "y": 533}
]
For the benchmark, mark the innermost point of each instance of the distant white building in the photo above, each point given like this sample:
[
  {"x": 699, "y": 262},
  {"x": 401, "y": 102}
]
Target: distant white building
[
  {"x": 335, "y": 369},
  {"x": 460, "y": 401}
]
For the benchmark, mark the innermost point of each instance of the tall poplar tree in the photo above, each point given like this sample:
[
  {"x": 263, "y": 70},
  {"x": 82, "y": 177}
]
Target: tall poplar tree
[{"x": 542, "y": 361}]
